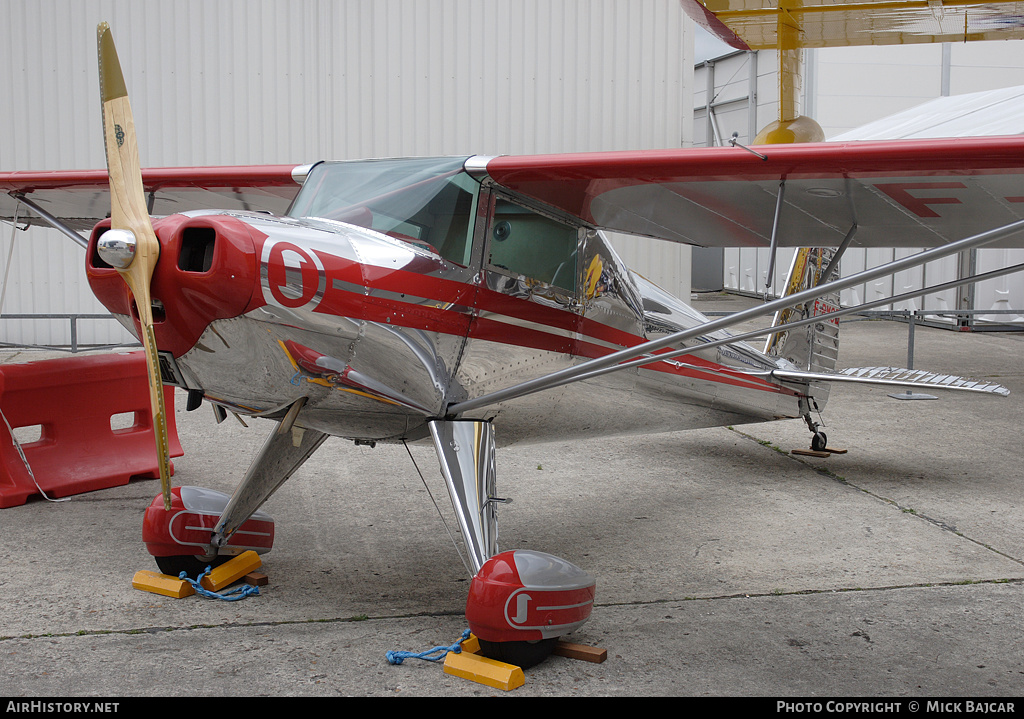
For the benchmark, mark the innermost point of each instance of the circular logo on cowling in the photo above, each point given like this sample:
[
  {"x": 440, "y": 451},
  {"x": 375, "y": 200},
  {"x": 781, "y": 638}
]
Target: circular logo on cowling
[{"x": 291, "y": 277}]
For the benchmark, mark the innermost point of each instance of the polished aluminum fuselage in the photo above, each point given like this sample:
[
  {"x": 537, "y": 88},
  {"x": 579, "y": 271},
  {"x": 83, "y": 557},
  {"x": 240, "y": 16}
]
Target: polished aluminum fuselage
[{"x": 380, "y": 336}]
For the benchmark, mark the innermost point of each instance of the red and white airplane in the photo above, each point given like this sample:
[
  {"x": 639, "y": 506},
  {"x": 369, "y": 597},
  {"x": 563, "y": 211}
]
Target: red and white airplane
[{"x": 471, "y": 302}]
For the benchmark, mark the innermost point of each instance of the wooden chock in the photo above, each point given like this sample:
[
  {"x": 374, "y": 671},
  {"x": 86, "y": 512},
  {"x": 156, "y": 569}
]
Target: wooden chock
[
  {"x": 580, "y": 651},
  {"x": 810, "y": 453},
  {"x": 257, "y": 579}
]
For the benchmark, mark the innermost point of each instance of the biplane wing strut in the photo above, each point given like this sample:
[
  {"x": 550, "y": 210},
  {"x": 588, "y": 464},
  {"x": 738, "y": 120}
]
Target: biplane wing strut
[{"x": 615, "y": 361}]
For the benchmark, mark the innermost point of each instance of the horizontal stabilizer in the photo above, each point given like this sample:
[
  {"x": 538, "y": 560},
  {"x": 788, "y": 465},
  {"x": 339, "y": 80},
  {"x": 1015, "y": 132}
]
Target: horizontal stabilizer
[{"x": 895, "y": 377}]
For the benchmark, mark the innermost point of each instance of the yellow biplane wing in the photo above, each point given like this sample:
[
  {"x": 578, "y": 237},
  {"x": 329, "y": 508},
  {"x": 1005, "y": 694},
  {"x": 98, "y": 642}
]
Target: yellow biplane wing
[{"x": 789, "y": 26}]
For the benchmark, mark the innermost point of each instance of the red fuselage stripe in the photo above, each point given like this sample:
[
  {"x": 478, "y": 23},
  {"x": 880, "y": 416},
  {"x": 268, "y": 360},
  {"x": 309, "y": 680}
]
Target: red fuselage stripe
[{"x": 438, "y": 318}]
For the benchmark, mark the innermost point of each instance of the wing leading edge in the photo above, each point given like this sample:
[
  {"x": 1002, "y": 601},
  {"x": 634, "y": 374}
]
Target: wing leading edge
[
  {"x": 81, "y": 198},
  {"x": 915, "y": 193},
  {"x": 920, "y": 193}
]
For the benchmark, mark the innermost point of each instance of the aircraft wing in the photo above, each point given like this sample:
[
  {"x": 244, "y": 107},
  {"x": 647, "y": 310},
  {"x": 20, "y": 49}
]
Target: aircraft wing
[
  {"x": 907, "y": 193},
  {"x": 79, "y": 199},
  {"x": 762, "y": 24},
  {"x": 912, "y": 193}
]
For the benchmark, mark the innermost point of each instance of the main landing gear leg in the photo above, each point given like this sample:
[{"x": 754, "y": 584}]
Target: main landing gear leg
[
  {"x": 466, "y": 452},
  {"x": 197, "y": 532},
  {"x": 284, "y": 451},
  {"x": 520, "y": 601}
]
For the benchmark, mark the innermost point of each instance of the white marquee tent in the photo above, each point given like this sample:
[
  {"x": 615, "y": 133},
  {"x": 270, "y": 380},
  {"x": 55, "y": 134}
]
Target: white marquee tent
[{"x": 990, "y": 113}]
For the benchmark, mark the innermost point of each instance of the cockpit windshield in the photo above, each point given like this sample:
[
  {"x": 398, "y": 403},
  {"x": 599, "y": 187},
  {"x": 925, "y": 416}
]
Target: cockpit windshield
[{"x": 426, "y": 201}]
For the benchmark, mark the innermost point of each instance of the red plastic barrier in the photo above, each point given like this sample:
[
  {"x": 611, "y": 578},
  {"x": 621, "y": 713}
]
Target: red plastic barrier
[{"x": 72, "y": 401}]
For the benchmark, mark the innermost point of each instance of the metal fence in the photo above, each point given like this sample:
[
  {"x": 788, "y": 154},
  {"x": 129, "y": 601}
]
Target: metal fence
[{"x": 73, "y": 318}]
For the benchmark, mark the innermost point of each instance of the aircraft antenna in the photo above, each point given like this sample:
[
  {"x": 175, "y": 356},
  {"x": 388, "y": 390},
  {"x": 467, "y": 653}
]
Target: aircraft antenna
[{"x": 734, "y": 141}]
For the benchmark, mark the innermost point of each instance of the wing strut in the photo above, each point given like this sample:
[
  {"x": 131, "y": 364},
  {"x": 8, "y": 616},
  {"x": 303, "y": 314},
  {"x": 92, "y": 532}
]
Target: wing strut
[
  {"x": 651, "y": 359},
  {"x": 585, "y": 369},
  {"x": 50, "y": 219},
  {"x": 840, "y": 251},
  {"x": 774, "y": 247}
]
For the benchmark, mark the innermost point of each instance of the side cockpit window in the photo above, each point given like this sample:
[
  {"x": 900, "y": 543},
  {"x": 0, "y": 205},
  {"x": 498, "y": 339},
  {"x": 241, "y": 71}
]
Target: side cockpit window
[
  {"x": 538, "y": 247},
  {"x": 448, "y": 219}
]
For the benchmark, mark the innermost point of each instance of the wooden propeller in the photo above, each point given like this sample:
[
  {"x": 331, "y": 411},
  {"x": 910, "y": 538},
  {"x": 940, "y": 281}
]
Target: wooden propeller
[{"x": 134, "y": 255}]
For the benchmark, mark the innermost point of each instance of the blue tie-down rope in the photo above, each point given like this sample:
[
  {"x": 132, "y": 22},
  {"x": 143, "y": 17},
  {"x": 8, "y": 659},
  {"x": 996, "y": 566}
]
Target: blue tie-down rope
[
  {"x": 232, "y": 596},
  {"x": 431, "y": 655}
]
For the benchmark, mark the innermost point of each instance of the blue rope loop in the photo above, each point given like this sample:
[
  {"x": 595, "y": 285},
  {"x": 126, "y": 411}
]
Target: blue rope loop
[
  {"x": 431, "y": 655},
  {"x": 230, "y": 596}
]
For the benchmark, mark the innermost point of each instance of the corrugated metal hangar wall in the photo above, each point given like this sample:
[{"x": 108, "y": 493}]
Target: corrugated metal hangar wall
[{"x": 280, "y": 81}]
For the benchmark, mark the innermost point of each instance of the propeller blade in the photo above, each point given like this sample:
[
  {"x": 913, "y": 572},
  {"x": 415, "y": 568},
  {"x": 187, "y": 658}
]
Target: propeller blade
[{"x": 129, "y": 214}]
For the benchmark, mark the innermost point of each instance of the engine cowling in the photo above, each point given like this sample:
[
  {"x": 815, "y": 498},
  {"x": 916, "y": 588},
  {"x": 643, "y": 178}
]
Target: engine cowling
[{"x": 208, "y": 270}]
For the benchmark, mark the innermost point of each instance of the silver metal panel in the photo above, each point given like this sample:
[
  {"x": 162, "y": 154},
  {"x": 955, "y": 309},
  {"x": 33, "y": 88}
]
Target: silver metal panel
[
  {"x": 364, "y": 378},
  {"x": 699, "y": 391}
]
